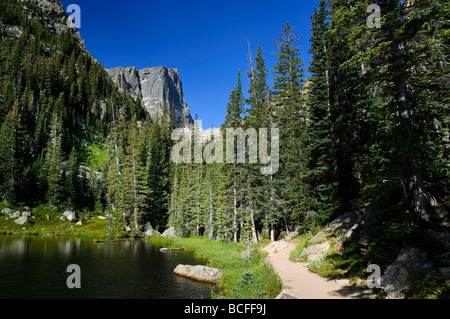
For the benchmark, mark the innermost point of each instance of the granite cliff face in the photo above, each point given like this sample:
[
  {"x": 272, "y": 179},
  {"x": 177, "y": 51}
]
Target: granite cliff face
[{"x": 155, "y": 87}]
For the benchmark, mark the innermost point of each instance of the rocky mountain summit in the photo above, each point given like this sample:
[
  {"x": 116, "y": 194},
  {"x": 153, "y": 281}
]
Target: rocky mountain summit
[{"x": 155, "y": 87}]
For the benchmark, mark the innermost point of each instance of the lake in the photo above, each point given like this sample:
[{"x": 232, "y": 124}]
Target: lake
[{"x": 36, "y": 267}]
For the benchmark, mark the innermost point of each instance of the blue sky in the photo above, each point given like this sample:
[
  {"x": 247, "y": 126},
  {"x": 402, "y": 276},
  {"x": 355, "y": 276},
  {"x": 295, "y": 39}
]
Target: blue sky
[{"x": 205, "y": 40}]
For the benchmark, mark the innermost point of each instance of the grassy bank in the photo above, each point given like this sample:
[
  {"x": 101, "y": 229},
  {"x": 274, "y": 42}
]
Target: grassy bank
[
  {"x": 47, "y": 221},
  {"x": 243, "y": 277}
]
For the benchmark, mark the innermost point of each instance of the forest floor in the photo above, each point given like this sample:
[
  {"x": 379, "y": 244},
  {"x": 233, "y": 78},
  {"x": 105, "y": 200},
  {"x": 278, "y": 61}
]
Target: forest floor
[{"x": 301, "y": 283}]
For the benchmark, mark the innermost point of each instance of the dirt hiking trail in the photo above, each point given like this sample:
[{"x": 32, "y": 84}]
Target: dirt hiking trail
[{"x": 300, "y": 283}]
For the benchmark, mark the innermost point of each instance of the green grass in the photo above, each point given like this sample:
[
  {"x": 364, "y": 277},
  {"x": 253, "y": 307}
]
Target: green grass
[
  {"x": 351, "y": 262},
  {"x": 429, "y": 286},
  {"x": 243, "y": 278},
  {"x": 303, "y": 243},
  {"x": 96, "y": 155},
  {"x": 47, "y": 221}
]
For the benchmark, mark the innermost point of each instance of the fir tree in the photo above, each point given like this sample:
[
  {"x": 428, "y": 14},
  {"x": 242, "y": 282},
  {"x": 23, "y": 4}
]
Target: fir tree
[
  {"x": 157, "y": 175},
  {"x": 318, "y": 143},
  {"x": 11, "y": 155},
  {"x": 135, "y": 187},
  {"x": 72, "y": 186},
  {"x": 54, "y": 163},
  {"x": 116, "y": 153},
  {"x": 289, "y": 116}
]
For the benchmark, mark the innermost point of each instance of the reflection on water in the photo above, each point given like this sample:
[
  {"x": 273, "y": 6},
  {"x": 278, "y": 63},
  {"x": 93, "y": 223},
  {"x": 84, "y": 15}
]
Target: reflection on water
[{"x": 35, "y": 267}]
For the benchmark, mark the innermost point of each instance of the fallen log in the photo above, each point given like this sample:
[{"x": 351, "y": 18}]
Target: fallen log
[{"x": 170, "y": 249}]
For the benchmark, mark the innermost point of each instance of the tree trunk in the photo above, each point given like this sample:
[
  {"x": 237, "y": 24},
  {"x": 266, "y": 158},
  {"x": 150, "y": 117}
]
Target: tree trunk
[
  {"x": 252, "y": 221},
  {"x": 211, "y": 225},
  {"x": 235, "y": 233}
]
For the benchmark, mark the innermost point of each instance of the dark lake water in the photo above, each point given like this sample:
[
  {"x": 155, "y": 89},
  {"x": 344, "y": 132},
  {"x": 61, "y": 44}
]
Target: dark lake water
[{"x": 36, "y": 267}]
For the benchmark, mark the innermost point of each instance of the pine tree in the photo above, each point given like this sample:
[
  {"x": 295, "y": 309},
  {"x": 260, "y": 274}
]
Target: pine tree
[
  {"x": 405, "y": 72},
  {"x": 231, "y": 182},
  {"x": 72, "y": 186},
  {"x": 289, "y": 116},
  {"x": 347, "y": 100},
  {"x": 158, "y": 176},
  {"x": 318, "y": 143},
  {"x": 116, "y": 153},
  {"x": 261, "y": 189},
  {"x": 209, "y": 202},
  {"x": 11, "y": 155},
  {"x": 54, "y": 163},
  {"x": 135, "y": 186}
]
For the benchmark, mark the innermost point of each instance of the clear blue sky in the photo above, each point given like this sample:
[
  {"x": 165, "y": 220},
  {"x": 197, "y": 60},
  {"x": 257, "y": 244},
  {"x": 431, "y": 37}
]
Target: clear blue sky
[{"x": 205, "y": 40}]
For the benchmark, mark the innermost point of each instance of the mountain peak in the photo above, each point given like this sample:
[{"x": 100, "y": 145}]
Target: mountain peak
[{"x": 155, "y": 87}]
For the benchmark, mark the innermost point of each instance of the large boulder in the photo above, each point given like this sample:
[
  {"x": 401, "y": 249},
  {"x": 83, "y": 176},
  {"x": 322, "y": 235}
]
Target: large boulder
[
  {"x": 346, "y": 221},
  {"x": 149, "y": 231},
  {"x": 7, "y": 211},
  {"x": 26, "y": 214},
  {"x": 319, "y": 237},
  {"x": 398, "y": 275},
  {"x": 315, "y": 252},
  {"x": 343, "y": 223},
  {"x": 169, "y": 232},
  {"x": 199, "y": 273},
  {"x": 21, "y": 221},
  {"x": 69, "y": 215},
  {"x": 15, "y": 215}
]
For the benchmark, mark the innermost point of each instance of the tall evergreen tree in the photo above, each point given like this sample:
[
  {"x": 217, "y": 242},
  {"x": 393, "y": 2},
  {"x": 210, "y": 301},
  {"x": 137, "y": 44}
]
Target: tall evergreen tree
[
  {"x": 405, "y": 70},
  {"x": 231, "y": 181},
  {"x": 116, "y": 153},
  {"x": 54, "y": 162},
  {"x": 11, "y": 155},
  {"x": 72, "y": 186},
  {"x": 318, "y": 143},
  {"x": 290, "y": 117},
  {"x": 135, "y": 186},
  {"x": 158, "y": 176},
  {"x": 261, "y": 189}
]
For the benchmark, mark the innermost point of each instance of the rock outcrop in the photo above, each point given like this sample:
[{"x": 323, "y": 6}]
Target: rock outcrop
[
  {"x": 150, "y": 231},
  {"x": 7, "y": 211},
  {"x": 316, "y": 251},
  {"x": 398, "y": 275},
  {"x": 155, "y": 87},
  {"x": 199, "y": 273},
  {"x": 169, "y": 232},
  {"x": 20, "y": 218},
  {"x": 69, "y": 215}
]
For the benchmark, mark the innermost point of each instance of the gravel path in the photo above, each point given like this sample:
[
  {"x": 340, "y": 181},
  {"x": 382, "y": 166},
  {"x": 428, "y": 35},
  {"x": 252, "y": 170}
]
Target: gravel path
[{"x": 303, "y": 284}]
